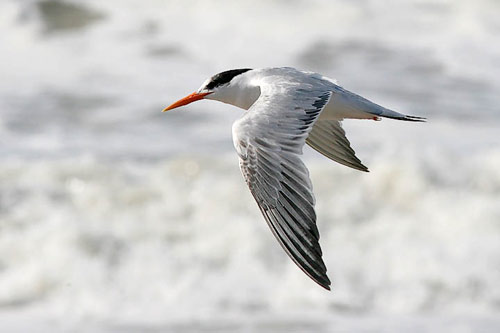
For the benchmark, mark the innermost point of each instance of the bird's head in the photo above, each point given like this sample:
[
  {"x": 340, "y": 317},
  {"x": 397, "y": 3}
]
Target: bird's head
[{"x": 221, "y": 87}]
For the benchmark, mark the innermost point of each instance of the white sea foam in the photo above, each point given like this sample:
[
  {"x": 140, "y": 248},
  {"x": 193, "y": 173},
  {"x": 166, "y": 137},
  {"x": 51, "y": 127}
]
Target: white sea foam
[{"x": 124, "y": 239}]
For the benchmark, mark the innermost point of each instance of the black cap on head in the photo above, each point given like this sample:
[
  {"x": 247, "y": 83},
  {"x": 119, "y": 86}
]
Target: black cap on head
[{"x": 224, "y": 77}]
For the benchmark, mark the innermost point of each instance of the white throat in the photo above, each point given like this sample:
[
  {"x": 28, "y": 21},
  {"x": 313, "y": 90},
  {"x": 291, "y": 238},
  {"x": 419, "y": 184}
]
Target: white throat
[{"x": 239, "y": 92}]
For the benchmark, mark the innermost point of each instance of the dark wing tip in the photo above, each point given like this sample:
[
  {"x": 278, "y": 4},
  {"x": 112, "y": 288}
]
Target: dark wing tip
[
  {"x": 321, "y": 279},
  {"x": 415, "y": 118},
  {"x": 406, "y": 118},
  {"x": 324, "y": 282},
  {"x": 314, "y": 268},
  {"x": 361, "y": 167}
]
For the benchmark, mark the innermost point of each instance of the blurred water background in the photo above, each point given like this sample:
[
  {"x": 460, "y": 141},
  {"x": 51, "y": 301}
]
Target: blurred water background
[{"x": 116, "y": 217}]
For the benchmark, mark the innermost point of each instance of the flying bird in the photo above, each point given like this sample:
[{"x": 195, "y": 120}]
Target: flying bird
[{"x": 286, "y": 108}]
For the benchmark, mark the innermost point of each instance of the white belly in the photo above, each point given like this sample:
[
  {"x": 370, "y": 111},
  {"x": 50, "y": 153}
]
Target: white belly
[{"x": 344, "y": 104}]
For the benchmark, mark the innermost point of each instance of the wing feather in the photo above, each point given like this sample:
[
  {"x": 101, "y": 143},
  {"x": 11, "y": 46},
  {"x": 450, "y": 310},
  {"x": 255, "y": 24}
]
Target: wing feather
[
  {"x": 328, "y": 138},
  {"x": 269, "y": 139}
]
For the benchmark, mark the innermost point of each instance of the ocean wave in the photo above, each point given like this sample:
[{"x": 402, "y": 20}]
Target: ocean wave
[{"x": 109, "y": 239}]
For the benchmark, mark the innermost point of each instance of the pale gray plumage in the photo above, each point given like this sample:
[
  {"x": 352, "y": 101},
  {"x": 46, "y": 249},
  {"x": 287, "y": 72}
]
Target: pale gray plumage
[{"x": 287, "y": 108}]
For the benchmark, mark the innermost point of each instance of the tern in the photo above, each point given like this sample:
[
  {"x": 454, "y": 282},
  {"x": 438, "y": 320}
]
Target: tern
[{"x": 286, "y": 108}]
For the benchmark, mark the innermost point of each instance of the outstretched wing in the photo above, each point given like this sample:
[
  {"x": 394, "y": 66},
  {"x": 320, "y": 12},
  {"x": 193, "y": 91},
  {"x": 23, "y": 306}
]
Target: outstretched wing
[
  {"x": 328, "y": 138},
  {"x": 269, "y": 139}
]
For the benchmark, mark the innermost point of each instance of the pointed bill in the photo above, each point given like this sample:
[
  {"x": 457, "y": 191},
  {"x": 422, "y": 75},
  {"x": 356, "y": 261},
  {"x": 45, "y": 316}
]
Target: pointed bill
[{"x": 186, "y": 100}]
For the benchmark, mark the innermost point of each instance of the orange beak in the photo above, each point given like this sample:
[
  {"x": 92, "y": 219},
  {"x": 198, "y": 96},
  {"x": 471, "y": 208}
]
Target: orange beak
[{"x": 186, "y": 100}]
